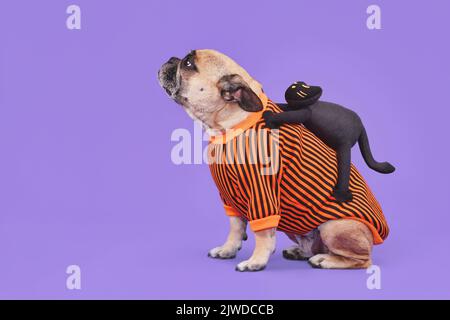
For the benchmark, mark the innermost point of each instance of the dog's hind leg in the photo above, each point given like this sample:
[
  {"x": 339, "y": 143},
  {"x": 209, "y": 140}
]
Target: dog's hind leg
[
  {"x": 332, "y": 261},
  {"x": 349, "y": 243},
  {"x": 294, "y": 253},
  {"x": 306, "y": 246}
]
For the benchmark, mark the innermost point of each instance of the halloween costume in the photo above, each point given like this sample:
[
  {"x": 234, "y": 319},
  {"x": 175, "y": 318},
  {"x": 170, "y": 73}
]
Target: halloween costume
[
  {"x": 339, "y": 127},
  {"x": 291, "y": 189}
]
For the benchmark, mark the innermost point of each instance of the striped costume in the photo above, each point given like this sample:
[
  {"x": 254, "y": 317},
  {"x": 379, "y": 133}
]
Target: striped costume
[{"x": 284, "y": 179}]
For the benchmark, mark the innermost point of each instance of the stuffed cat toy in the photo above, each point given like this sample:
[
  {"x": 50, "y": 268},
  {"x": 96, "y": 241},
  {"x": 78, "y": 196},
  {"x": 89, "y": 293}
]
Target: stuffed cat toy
[{"x": 338, "y": 127}]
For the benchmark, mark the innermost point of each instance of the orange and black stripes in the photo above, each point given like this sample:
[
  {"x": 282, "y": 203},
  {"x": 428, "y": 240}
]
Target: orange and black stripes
[{"x": 284, "y": 178}]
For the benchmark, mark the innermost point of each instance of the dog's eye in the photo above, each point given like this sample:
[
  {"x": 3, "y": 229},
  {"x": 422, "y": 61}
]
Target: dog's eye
[{"x": 189, "y": 63}]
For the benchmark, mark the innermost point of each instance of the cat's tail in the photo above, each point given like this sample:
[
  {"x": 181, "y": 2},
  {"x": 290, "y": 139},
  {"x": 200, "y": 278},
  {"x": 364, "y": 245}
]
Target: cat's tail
[{"x": 381, "y": 167}]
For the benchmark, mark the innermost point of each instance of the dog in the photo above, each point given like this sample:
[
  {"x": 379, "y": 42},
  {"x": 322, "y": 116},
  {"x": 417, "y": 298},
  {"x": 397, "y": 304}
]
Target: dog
[{"x": 296, "y": 197}]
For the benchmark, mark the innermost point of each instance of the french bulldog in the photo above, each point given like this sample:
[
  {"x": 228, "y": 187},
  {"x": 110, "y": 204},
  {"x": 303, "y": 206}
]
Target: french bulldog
[{"x": 218, "y": 92}]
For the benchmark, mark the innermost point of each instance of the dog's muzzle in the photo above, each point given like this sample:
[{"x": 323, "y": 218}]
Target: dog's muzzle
[{"x": 167, "y": 76}]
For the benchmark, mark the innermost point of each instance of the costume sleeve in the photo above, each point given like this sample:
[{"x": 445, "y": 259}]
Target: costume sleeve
[
  {"x": 229, "y": 210},
  {"x": 264, "y": 186},
  {"x": 264, "y": 206}
]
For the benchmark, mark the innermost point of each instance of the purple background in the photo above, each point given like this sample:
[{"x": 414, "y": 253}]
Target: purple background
[{"x": 85, "y": 171}]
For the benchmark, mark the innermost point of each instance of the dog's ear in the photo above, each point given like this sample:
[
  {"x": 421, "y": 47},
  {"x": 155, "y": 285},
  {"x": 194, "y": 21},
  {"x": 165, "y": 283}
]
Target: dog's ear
[{"x": 234, "y": 89}]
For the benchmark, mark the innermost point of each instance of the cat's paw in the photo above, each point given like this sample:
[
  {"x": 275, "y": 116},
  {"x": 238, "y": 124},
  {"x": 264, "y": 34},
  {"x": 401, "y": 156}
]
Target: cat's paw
[
  {"x": 342, "y": 195},
  {"x": 269, "y": 119}
]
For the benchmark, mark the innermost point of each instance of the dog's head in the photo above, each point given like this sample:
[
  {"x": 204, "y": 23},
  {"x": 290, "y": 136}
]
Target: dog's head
[{"x": 210, "y": 86}]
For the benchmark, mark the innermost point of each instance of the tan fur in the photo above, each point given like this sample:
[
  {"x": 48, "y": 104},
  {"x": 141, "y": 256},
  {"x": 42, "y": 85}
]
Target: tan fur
[
  {"x": 349, "y": 245},
  {"x": 265, "y": 243},
  {"x": 336, "y": 244},
  {"x": 207, "y": 105},
  {"x": 306, "y": 246},
  {"x": 234, "y": 240}
]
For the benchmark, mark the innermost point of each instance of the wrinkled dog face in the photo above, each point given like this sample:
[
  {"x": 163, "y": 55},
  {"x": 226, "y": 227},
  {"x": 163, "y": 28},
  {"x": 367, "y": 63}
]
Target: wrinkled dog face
[{"x": 206, "y": 82}]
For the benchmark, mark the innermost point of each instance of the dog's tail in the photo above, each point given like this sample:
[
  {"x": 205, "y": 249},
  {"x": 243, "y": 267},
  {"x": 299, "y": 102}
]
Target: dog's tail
[{"x": 381, "y": 167}]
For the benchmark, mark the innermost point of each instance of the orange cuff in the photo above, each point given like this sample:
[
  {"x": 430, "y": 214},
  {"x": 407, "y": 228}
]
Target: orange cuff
[
  {"x": 264, "y": 223},
  {"x": 231, "y": 212}
]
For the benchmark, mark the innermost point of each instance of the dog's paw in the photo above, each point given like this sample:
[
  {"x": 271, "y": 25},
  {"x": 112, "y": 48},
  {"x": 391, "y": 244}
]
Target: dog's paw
[
  {"x": 342, "y": 195},
  {"x": 268, "y": 118},
  {"x": 318, "y": 261},
  {"x": 223, "y": 252},
  {"x": 326, "y": 261},
  {"x": 294, "y": 253},
  {"x": 251, "y": 265}
]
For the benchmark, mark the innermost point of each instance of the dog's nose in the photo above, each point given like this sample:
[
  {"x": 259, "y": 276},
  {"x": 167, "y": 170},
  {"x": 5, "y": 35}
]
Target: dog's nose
[{"x": 173, "y": 60}]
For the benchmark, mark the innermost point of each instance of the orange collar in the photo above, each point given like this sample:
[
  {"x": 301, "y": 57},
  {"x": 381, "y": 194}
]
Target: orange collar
[{"x": 252, "y": 118}]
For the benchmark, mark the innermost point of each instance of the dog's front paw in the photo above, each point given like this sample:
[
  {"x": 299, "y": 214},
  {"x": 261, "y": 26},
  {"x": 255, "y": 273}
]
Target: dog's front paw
[
  {"x": 251, "y": 265},
  {"x": 342, "y": 195},
  {"x": 223, "y": 252},
  {"x": 268, "y": 118}
]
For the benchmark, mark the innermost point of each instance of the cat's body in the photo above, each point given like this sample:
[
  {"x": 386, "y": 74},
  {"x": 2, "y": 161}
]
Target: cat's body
[{"x": 340, "y": 128}]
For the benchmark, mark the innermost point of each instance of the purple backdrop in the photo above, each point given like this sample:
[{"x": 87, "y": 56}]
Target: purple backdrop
[{"x": 85, "y": 171}]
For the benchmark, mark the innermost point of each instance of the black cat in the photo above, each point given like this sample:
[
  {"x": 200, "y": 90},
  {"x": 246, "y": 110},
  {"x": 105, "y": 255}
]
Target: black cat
[{"x": 335, "y": 125}]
